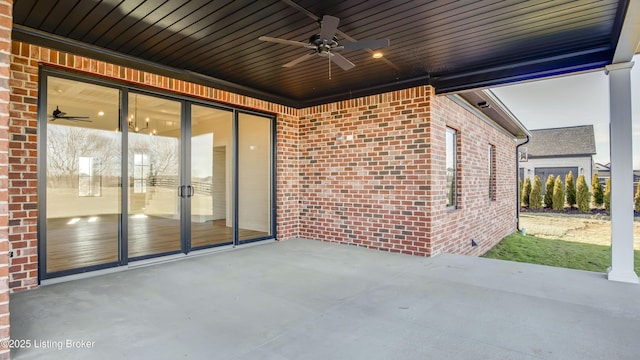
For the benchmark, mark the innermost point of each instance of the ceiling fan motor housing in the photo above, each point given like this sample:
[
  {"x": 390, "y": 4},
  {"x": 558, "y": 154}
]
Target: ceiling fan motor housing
[
  {"x": 325, "y": 44},
  {"x": 323, "y": 47}
]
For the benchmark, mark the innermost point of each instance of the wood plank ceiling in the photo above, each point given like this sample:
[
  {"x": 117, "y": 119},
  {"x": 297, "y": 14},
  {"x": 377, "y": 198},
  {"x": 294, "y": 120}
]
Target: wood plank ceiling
[{"x": 453, "y": 45}]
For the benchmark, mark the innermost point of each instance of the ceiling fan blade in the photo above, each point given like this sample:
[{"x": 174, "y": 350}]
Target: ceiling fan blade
[
  {"x": 71, "y": 118},
  {"x": 342, "y": 61},
  {"x": 329, "y": 27},
  {"x": 367, "y": 44},
  {"x": 298, "y": 60},
  {"x": 282, "y": 41}
]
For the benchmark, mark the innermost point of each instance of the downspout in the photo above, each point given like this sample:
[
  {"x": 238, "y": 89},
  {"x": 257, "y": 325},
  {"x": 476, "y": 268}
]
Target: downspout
[{"x": 518, "y": 182}]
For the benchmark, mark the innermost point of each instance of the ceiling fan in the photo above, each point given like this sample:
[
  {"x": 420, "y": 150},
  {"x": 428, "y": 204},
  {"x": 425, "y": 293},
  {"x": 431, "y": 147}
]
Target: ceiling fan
[
  {"x": 325, "y": 43},
  {"x": 58, "y": 114}
]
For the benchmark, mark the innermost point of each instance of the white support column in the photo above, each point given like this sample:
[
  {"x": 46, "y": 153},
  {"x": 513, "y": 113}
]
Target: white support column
[{"x": 620, "y": 136}]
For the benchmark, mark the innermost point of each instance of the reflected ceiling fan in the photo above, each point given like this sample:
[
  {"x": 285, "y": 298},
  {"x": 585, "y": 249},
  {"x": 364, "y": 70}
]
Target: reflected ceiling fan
[
  {"x": 326, "y": 43},
  {"x": 58, "y": 114}
]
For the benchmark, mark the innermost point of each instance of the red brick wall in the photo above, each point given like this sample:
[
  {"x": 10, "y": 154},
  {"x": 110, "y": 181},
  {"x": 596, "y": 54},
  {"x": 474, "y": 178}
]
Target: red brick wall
[
  {"x": 25, "y": 59},
  {"x": 23, "y": 201},
  {"x": 476, "y": 217},
  {"x": 287, "y": 177},
  {"x": 371, "y": 190},
  {"x": 385, "y": 188},
  {"x": 6, "y": 20}
]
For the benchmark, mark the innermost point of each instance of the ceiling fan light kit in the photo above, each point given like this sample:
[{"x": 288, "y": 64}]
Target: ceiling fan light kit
[
  {"x": 132, "y": 122},
  {"x": 326, "y": 43}
]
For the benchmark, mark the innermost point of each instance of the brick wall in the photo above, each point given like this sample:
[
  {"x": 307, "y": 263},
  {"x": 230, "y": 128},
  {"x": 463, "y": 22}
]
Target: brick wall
[
  {"x": 23, "y": 200},
  {"x": 370, "y": 190},
  {"x": 477, "y": 217},
  {"x": 23, "y": 83},
  {"x": 385, "y": 188},
  {"x": 6, "y": 8},
  {"x": 287, "y": 178}
]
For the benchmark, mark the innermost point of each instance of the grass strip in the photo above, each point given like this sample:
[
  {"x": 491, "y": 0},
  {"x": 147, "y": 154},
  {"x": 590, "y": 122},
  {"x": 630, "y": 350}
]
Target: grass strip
[{"x": 552, "y": 252}]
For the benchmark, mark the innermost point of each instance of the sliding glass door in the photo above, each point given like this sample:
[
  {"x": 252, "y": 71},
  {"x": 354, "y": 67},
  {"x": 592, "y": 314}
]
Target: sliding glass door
[
  {"x": 254, "y": 177},
  {"x": 154, "y": 211},
  {"x": 129, "y": 175},
  {"x": 83, "y": 176},
  {"x": 211, "y": 176}
]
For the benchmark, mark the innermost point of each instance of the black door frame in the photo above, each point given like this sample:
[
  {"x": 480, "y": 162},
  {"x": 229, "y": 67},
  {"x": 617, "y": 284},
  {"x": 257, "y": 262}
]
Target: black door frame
[{"x": 125, "y": 88}]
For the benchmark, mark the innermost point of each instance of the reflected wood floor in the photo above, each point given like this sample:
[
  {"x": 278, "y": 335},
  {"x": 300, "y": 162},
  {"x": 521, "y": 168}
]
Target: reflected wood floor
[{"x": 94, "y": 240}]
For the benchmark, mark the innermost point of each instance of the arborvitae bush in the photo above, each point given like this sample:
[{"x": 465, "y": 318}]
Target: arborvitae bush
[
  {"x": 596, "y": 190},
  {"x": 526, "y": 190},
  {"x": 548, "y": 196},
  {"x": 558, "y": 195},
  {"x": 535, "y": 197},
  {"x": 582, "y": 195},
  {"x": 606, "y": 199},
  {"x": 571, "y": 189},
  {"x": 637, "y": 198}
]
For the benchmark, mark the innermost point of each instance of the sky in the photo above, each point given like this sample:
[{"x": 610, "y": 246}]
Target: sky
[{"x": 581, "y": 99}]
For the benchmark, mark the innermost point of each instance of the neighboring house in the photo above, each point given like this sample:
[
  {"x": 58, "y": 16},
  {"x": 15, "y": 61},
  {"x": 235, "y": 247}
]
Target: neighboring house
[
  {"x": 604, "y": 172},
  {"x": 557, "y": 151}
]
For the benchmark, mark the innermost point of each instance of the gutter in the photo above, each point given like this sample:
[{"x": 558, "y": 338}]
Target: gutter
[{"x": 518, "y": 182}]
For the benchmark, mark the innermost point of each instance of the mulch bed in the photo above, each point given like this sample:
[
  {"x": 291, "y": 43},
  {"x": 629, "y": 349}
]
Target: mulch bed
[{"x": 571, "y": 211}]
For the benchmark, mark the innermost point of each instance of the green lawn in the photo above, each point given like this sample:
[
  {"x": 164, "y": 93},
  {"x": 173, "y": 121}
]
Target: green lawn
[{"x": 573, "y": 255}]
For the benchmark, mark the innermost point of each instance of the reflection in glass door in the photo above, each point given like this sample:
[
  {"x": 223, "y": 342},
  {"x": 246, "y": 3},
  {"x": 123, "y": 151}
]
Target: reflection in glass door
[
  {"x": 211, "y": 176},
  {"x": 83, "y": 175},
  {"x": 154, "y": 176}
]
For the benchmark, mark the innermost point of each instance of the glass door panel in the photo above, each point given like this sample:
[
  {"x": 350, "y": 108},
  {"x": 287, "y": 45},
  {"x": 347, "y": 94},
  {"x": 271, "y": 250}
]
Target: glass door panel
[
  {"x": 211, "y": 176},
  {"x": 83, "y": 175},
  {"x": 254, "y": 177},
  {"x": 154, "y": 176}
]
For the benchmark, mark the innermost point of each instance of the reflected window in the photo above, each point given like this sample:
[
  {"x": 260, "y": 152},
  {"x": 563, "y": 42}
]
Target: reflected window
[
  {"x": 89, "y": 179},
  {"x": 140, "y": 172}
]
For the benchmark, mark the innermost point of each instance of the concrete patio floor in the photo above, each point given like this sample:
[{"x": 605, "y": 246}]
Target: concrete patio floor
[{"x": 302, "y": 299}]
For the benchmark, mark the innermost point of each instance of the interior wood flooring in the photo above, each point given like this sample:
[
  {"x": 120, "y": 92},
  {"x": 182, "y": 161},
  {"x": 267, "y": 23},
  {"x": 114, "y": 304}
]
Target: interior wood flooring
[{"x": 94, "y": 240}]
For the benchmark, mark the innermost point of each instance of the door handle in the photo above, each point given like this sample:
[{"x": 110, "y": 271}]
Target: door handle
[{"x": 189, "y": 193}]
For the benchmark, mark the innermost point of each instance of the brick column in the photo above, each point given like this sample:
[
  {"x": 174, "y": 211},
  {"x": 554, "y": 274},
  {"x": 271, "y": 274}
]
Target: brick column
[
  {"x": 6, "y": 22},
  {"x": 288, "y": 187}
]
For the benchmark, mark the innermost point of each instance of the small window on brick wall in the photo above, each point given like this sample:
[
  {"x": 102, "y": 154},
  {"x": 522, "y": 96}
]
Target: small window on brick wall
[
  {"x": 492, "y": 172},
  {"x": 452, "y": 167}
]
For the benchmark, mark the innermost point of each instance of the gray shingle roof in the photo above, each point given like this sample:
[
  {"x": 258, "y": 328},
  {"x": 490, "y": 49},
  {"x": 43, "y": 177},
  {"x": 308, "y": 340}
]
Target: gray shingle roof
[{"x": 566, "y": 141}]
